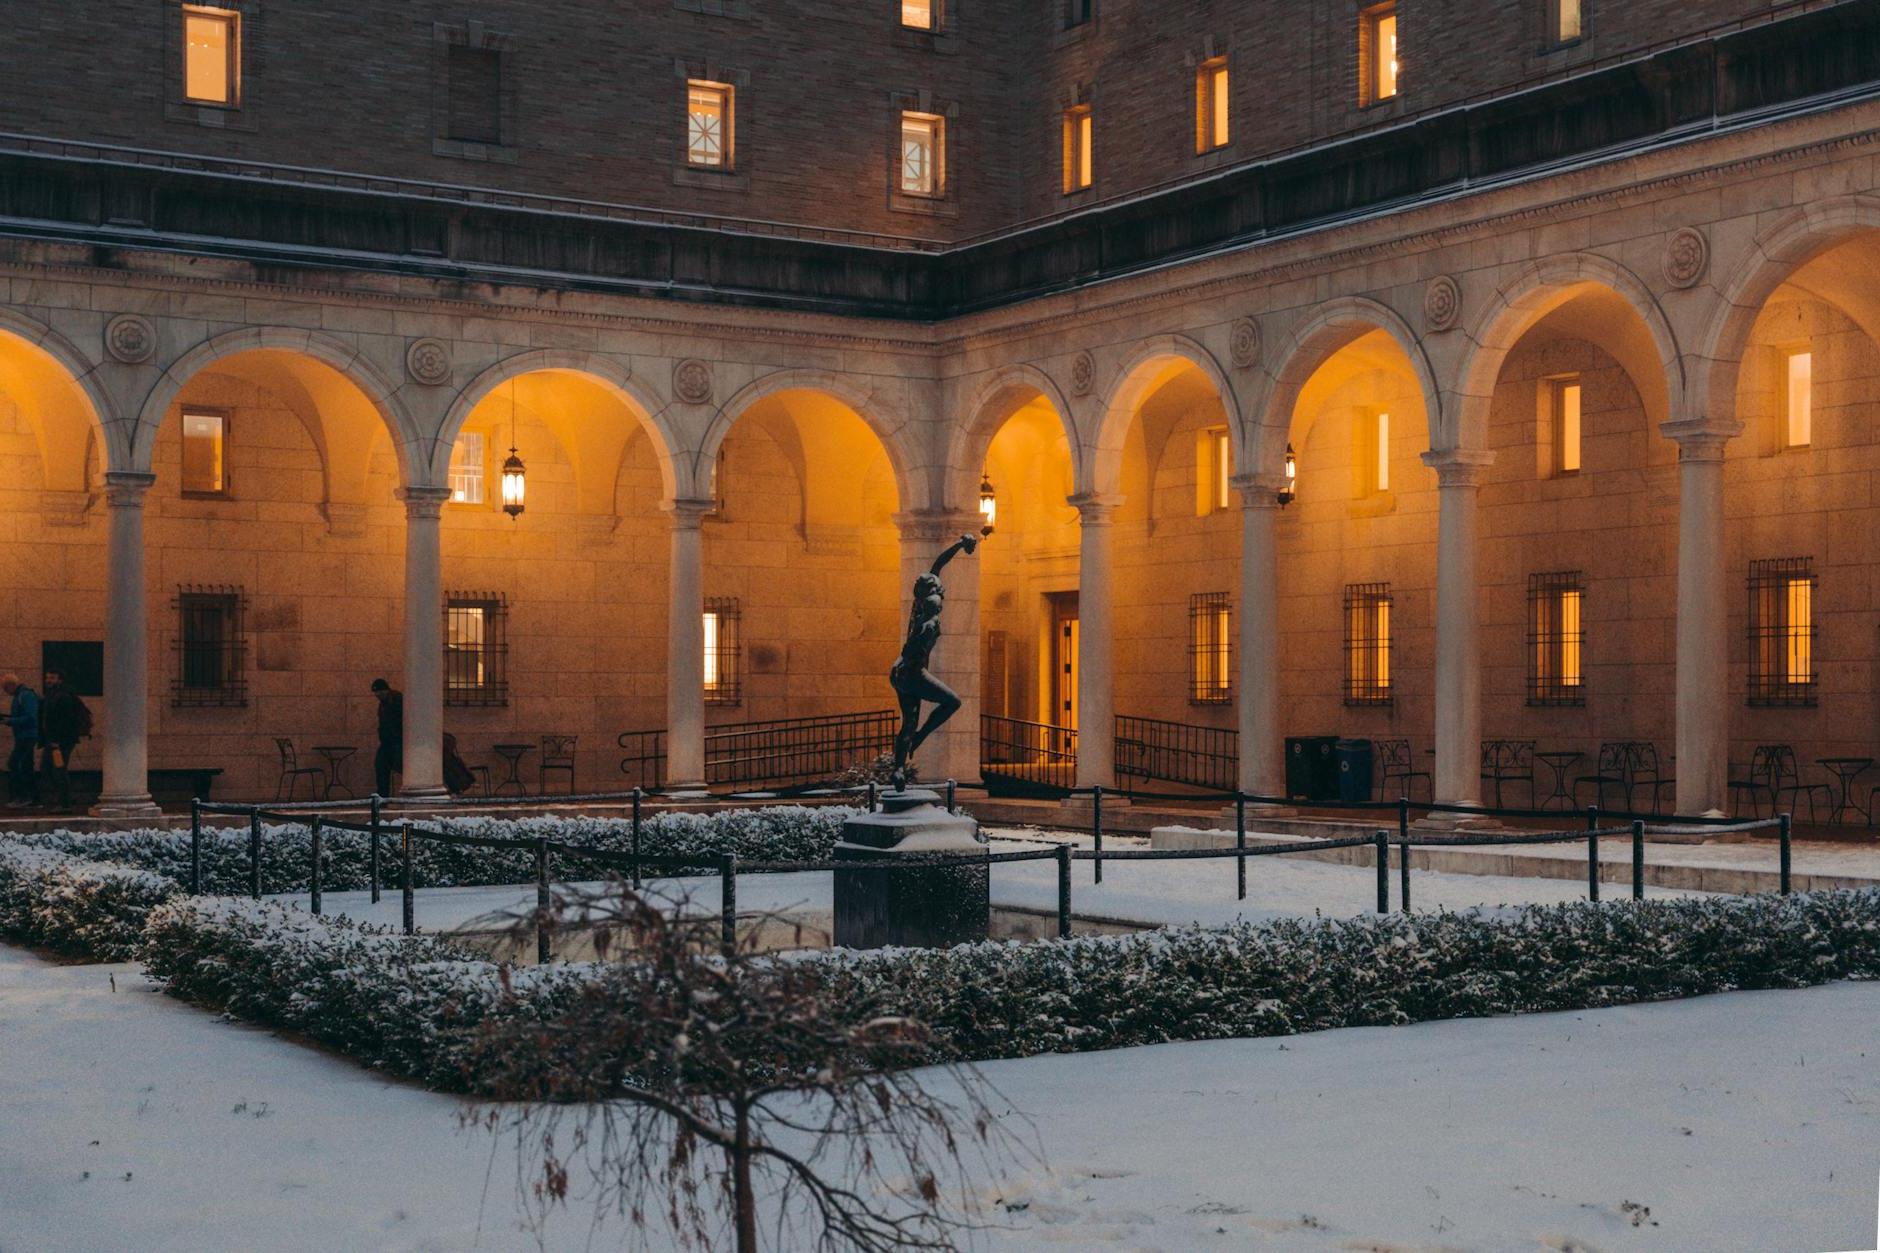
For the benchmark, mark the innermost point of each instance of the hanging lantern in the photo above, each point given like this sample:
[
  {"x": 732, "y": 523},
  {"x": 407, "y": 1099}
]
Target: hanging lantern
[
  {"x": 514, "y": 487},
  {"x": 1291, "y": 489},
  {"x": 988, "y": 505}
]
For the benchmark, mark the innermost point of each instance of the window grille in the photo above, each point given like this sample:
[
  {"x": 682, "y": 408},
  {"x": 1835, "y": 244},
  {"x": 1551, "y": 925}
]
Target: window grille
[
  {"x": 1210, "y": 651},
  {"x": 211, "y": 648},
  {"x": 476, "y": 649},
  {"x": 708, "y": 124},
  {"x": 1367, "y": 644},
  {"x": 1556, "y": 639},
  {"x": 722, "y": 671},
  {"x": 1782, "y": 632}
]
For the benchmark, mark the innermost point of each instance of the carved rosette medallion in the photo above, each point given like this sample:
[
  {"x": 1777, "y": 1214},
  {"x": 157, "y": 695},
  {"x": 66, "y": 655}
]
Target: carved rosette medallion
[
  {"x": 1687, "y": 256},
  {"x": 1243, "y": 343},
  {"x": 1083, "y": 374},
  {"x": 692, "y": 381},
  {"x": 130, "y": 338},
  {"x": 1442, "y": 304},
  {"x": 428, "y": 362}
]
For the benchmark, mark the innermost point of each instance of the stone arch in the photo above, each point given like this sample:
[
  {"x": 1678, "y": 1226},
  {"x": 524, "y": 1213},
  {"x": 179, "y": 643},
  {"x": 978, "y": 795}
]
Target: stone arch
[
  {"x": 51, "y": 372},
  {"x": 890, "y": 426},
  {"x": 1154, "y": 362},
  {"x": 647, "y": 409},
  {"x": 1329, "y": 328},
  {"x": 1538, "y": 290},
  {"x": 999, "y": 395}
]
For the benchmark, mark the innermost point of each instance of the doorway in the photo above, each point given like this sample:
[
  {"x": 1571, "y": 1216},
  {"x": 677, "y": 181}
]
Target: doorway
[{"x": 1063, "y": 684}]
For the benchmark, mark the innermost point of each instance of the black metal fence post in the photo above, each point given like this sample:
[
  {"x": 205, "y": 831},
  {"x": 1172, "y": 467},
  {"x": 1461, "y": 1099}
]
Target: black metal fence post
[
  {"x": 871, "y": 796},
  {"x": 1787, "y": 851},
  {"x": 636, "y": 837},
  {"x": 409, "y": 903},
  {"x": 1638, "y": 859},
  {"x": 1403, "y": 874},
  {"x": 254, "y": 854},
  {"x": 1381, "y": 842},
  {"x": 195, "y": 846},
  {"x": 1096, "y": 830},
  {"x": 313, "y": 875},
  {"x": 1064, "y": 891},
  {"x": 1240, "y": 842},
  {"x": 1592, "y": 857},
  {"x": 543, "y": 902},
  {"x": 1403, "y": 818},
  {"x": 728, "y": 889},
  {"x": 372, "y": 852},
  {"x": 953, "y": 804}
]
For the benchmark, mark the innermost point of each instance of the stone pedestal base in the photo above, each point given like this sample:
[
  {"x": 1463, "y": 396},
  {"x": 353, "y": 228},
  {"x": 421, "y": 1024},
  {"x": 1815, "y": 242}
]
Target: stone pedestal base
[
  {"x": 890, "y": 898},
  {"x": 126, "y": 807}
]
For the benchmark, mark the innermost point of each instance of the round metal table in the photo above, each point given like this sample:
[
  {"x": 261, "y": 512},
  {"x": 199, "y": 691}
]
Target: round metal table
[
  {"x": 336, "y": 755},
  {"x": 513, "y": 754}
]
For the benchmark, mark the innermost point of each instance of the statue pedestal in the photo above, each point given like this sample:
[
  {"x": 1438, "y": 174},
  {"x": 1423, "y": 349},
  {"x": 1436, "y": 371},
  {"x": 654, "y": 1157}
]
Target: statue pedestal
[{"x": 893, "y": 899}]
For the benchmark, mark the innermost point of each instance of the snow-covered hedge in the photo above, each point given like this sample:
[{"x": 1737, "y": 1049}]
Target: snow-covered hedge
[
  {"x": 782, "y": 833},
  {"x": 90, "y": 908}
]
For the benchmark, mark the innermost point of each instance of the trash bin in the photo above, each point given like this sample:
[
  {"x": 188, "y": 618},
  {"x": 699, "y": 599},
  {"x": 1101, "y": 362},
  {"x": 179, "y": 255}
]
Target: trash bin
[
  {"x": 1354, "y": 770},
  {"x": 1312, "y": 767}
]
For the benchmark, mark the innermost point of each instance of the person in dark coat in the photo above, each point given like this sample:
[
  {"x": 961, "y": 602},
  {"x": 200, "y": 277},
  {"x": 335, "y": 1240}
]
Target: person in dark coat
[
  {"x": 23, "y": 717},
  {"x": 63, "y": 721},
  {"x": 390, "y": 759}
]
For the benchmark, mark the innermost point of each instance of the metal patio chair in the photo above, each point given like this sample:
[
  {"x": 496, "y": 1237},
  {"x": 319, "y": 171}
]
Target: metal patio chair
[
  {"x": 557, "y": 755},
  {"x": 292, "y": 770},
  {"x": 1396, "y": 761}
]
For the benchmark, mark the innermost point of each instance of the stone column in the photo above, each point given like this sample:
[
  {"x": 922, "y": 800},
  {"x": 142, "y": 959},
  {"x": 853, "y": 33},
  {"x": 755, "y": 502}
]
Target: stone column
[
  {"x": 126, "y": 791},
  {"x": 421, "y": 781},
  {"x": 953, "y": 752},
  {"x": 1262, "y": 762},
  {"x": 1458, "y": 611},
  {"x": 1096, "y": 636},
  {"x": 685, "y": 647},
  {"x": 1703, "y": 703}
]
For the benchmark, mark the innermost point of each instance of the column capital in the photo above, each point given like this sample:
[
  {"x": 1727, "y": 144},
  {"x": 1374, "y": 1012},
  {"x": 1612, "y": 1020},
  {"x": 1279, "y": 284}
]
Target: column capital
[
  {"x": 1700, "y": 439},
  {"x": 687, "y": 513},
  {"x": 1095, "y": 508},
  {"x": 1258, "y": 491},
  {"x": 423, "y": 502},
  {"x": 124, "y": 489},
  {"x": 1458, "y": 467},
  {"x": 935, "y": 525}
]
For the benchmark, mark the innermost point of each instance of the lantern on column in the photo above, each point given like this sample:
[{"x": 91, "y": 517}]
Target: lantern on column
[
  {"x": 1289, "y": 491},
  {"x": 514, "y": 486},
  {"x": 988, "y": 505}
]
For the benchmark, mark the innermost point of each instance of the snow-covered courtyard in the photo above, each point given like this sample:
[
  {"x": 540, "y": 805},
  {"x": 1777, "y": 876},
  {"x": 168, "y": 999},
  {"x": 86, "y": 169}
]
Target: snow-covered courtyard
[{"x": 1747, "y": 1121}]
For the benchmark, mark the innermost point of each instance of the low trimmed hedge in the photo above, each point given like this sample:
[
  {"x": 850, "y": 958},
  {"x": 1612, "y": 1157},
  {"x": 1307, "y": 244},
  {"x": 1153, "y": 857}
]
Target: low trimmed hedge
[
  {"x": 72, "y": 905},
  {"x": 781, "y": 833}
]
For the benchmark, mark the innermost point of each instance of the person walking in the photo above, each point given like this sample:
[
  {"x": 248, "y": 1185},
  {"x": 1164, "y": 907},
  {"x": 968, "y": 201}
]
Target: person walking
[
  {"x": 390, "y": 759},
  {"x": 63, "y": 722},
  {"x": 23, "y": 717}
]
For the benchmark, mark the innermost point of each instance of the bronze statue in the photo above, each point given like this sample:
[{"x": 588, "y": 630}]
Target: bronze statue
[{"x": 913, "y": 683}]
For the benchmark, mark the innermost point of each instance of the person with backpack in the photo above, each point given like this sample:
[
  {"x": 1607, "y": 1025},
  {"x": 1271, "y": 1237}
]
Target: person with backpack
[
  {"x": 64, "y": 720},
  {"x": 23, "y": 717}
]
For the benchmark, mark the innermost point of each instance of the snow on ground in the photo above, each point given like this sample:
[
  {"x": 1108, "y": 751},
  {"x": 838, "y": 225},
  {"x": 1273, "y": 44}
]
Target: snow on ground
[
  {"x": 1749, "y": 1121},
  {"x": 1167, "y": 893}
]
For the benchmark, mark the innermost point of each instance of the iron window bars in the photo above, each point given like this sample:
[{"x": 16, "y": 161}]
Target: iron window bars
[
  {"x": 211, "y": 648},
  {"x": 1367, "y": 644},
  {"x": 1782, "y": 632},
  {"x": 476, "y": 649},
  {"x": 723, "y": 674},
  {"x": 1210, "y": 654},
  {"x": 1556, "y": 639}
]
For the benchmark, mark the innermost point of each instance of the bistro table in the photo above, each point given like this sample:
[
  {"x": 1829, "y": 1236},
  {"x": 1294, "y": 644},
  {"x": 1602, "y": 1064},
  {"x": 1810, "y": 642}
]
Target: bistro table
[
  {"x": 336, "y": 755},
  {"x": 1846, "y": 769},
  {"x": 1559, "y": 762},
  {"x": 513, "y": 754}
]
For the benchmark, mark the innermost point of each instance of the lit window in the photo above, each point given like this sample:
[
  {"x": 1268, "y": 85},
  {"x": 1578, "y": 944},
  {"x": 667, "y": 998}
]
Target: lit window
[
  {"x": 211, "y": 55},
  {"x": 1798, "y": 376},
  {"x": 476, "y": 649},
  {"x": 1556, "y": 639},
  {"x": 1373, "y": 452},
  {"x": 1209, "y": 651},
  {"x": 919, "y": 14},
  {"x": 205, "y": 453},
  {"x": 466, "y": 469},
  {"x": 708, "y": 119},
  {"x": 923, "y": 137},
  {"x": 476, "y": 95},
  {"x": 1211, "y": 105},
  {"x": 211, "y": 648},
  {"x": 1213, "y": 466},
  {"x": 1565, "y": 397},
  {"x": 721, "y": 652},
  {"x": 1077, "y": 149},
  {"x": 1568, "y": 23},
  {"x": 1377, "y": 52},
  {"x": 1367, "y": 644},
  {"x": 1782, "y": 632}
]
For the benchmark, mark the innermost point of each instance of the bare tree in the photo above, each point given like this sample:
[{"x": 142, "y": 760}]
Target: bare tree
[{"x": 687, "y": 1081}]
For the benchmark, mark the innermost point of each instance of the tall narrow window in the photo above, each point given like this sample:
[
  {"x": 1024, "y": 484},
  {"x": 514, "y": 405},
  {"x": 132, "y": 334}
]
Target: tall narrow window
[
  {"x": 467, "y": 469},
  {"x": 1211, "y": 105},
  {"x": 211, "y": 649},
  {"x": 1565, "y": 20},
  {"x": 205, "y": 453},
  {"x": 721, "y": 652},
  {"x": 920, "y": 14},
  {"x": 1372, "y": 452},
  {"x": 923, "y": 140},
  {"x": 1377, "y": 52},
  {"x": 476, "y": 649},
  {"x": 708, "y": 119},
  {"x": 1564, "y": 397},
  {"x": 1210, "y": 654},
  {"x": 476, "y": 99},
  {"x": 211, "y": 55},
  {"x": 1213, "y": 467},
  {"x": 1798, "y": 399},
  {"x": 1077, "y": 148},
  {"x": 1556, "y": 639},
  {"x": 1367, "y": 644},
  {"x": 1782, "y": 632}
]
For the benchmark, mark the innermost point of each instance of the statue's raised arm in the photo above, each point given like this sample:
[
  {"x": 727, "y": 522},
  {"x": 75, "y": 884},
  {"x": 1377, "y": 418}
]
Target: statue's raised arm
[{"x": 964, "y": 544}]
